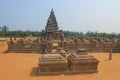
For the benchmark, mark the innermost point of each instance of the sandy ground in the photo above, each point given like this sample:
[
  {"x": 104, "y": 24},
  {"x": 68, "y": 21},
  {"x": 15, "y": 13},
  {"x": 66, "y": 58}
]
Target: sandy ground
[{"x": 23, "y": 66}]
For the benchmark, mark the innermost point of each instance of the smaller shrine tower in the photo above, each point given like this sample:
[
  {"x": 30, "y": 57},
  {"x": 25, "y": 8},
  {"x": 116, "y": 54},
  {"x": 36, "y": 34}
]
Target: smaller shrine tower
[{"x": 52, "y": 31}]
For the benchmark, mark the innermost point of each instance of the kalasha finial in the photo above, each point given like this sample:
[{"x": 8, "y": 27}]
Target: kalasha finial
[{"x": 52, "y": 10}]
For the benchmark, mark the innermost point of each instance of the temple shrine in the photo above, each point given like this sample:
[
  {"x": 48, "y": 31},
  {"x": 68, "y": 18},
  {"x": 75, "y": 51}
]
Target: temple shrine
[
  {"x": 52, "y": 31},
  {"x": 61, "y": 55},
  {"x": 57, "y": 61}
]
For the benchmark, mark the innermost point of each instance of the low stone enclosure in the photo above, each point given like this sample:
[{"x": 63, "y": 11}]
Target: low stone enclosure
[
  {"x": 52, "y": 63},
  {"x": 53, "y": 38},
  {"x": 79, "y": 62},
  {"x": 3, "y": 45},
  {"x": 44, "y": 46}
]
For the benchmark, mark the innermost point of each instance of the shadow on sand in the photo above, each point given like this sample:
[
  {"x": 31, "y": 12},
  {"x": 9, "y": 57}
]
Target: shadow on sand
[
  {"x": 34, "y": 73},
  {"x": 71, "y": 74}
]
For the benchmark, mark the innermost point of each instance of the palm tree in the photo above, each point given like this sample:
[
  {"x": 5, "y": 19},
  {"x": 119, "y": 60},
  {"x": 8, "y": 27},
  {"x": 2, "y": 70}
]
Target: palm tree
[{"x": 4, "y": 30}]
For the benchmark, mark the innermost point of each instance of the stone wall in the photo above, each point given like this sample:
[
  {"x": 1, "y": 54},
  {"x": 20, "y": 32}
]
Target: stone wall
[
  {"x": 44, "y": 46},
  {"x": 3, "y": 46}
]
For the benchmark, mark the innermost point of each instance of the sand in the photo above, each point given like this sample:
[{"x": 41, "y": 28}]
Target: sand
[{"x": 23, "y": 66}]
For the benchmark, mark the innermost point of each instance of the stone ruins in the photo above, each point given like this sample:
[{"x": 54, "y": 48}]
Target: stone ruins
[
  {"x": 52, "y": 63},
  {"x": 52, "y": 38},
  {"x": 58, "y": 59},
  {"x": 82, "y": 62},
  {"x": 62, "y": 55},
  {"x": 3, "y": 43},
  {"x": 51, "y": 30},
  {"x": 75, "y": 63}
]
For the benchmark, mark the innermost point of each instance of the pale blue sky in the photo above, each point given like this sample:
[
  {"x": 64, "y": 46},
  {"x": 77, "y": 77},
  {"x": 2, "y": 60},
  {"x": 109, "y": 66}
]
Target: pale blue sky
[{"x": 73, "y": 15}]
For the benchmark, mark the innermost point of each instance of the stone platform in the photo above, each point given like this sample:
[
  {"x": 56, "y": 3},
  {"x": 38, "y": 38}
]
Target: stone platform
[
  {"x": 52, "y": 63},
  {"x": 80, "y": 62}
]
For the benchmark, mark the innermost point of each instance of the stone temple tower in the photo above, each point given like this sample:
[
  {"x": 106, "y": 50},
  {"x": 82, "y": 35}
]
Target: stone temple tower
[
  {"x": 51, "y": 23},
  {"x": 52, "y": 31}
]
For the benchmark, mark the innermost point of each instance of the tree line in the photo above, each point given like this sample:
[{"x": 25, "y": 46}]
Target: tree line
[{"x": 4, "y": 32}]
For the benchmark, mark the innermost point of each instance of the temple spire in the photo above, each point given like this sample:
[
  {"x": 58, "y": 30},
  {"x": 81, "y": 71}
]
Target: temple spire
[
  {"x": 51, "y": 22},
  {"x": 52, "y": 10},
  {"x": 51, "y": 29}
]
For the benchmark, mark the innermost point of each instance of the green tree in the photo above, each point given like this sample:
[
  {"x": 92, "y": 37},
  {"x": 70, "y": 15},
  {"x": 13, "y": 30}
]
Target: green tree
[{"x": 4, "y": 30}]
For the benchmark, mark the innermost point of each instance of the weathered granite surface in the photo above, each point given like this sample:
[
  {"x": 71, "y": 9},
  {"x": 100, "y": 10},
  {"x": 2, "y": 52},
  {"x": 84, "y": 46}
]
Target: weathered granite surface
[
  {"x": 82, "y": 62},
  {"x": 50, "y": 63}
]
